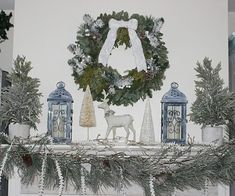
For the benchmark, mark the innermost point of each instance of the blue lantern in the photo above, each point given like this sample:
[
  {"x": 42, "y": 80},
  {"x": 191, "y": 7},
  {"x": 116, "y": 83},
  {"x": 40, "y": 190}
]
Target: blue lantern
[
  {"x": 60, "y": 110},
  {"x": 174, "y": 114}
]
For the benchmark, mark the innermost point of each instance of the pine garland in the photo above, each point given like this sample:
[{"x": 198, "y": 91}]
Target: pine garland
[{"x": 169, "y": 168}]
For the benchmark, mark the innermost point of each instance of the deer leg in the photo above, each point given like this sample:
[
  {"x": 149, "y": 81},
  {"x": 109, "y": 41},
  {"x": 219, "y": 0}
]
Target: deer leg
[
  {"x": 133, "y": 131},
  {"x": 114, "y": 133},
  {"x": 108, "y": 131},
  {"x": 127, "y": 132}
]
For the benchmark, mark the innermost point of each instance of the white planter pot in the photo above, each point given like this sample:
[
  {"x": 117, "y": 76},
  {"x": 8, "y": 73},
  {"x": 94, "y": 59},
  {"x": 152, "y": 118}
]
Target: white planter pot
[
  {"x": 19, "y": 130},
  {"x": 212, "y": 135}
]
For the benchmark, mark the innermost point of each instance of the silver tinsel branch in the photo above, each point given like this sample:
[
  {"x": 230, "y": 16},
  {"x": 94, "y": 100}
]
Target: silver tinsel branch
[
  {"x": 122, "y": 190},
  {"x": 151, "y": 186},
  {"x": 158, "y": 22},
  {"x": 5, "y": 160},
  {"x": 206, "y": 188},
  {"x": 42, "y": 175},
  {"x": 83, "y": 183},
  {"x": 61, "y": 179},
  {"x": 4, "y": 135},
  {"x": 152, "y": 39}
]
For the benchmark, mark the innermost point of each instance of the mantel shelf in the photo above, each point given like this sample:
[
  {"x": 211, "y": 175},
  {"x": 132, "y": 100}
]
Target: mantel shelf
[{"x": 95, "y": 148}]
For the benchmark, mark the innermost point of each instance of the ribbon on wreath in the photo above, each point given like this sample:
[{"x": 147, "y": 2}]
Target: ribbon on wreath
[{"x": 137, "y": 49}]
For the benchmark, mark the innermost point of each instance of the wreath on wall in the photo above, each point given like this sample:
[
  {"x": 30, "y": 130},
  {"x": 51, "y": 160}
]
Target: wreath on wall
[
  {"x": 95, "y": 41},
  {"x": 5, "y": 25}
]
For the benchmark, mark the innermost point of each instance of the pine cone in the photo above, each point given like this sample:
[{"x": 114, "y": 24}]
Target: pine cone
[
  {"x": 27, "y": 159},
  {"x": 149, "y": 75},
  {"x": 106, "y": 164}
]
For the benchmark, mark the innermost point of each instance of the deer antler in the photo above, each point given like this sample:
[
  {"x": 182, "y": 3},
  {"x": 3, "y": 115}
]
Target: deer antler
[{"x": 105, "y": 99}]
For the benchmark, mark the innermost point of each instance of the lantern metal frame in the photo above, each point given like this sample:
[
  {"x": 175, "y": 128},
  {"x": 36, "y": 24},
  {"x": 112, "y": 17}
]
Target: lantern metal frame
[
  {"x": 174, "y": 98},
  {"x": 60, "y": 98}
]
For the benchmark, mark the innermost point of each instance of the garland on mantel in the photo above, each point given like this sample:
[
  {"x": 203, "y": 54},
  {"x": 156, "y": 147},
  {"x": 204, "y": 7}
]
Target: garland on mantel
[{"x": 170, "y": 167}]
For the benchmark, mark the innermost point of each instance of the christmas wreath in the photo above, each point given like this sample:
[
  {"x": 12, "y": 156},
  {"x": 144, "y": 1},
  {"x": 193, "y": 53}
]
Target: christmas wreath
[
  {"x": 5, "y": 25},
  {"x": 95, "y": 41}
]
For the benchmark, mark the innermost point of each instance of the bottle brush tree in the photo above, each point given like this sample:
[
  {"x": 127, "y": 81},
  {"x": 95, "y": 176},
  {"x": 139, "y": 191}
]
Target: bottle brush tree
[
  {"x": 147, "y": 135},
  {"x": 214, "y": 104},
  {"x": 87, "y": 113}
]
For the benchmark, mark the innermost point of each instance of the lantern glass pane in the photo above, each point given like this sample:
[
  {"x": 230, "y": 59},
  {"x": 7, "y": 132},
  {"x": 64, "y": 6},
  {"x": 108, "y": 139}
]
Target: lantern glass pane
[
  {"x": 173, "y": 122},
  {"x": 59, "y": 116}
]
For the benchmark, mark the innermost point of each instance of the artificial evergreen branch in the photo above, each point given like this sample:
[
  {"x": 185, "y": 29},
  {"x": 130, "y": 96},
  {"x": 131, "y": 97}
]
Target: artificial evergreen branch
[{"x": 171, "y": 166}]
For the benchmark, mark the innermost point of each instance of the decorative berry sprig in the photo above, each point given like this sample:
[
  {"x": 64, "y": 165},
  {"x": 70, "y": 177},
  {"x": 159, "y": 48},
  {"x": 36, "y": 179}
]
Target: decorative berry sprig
[
  {"x": 122, "y": 189},
  {"x": 42, "y": 175},
  {"x": 83, "y": 183},
  {"x": 151, "y": 186},
  {"x": 61, "y": 179}
]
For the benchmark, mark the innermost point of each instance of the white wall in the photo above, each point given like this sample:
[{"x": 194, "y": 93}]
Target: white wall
[
  {"x": 6, "y": 48},
  {"x": 193, "y": 29}
]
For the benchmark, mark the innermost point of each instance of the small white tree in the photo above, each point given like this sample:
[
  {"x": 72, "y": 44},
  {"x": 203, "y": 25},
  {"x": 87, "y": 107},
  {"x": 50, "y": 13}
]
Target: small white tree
[
  {"x": 147, "y": 135},
  {"x": 87, "y": 113}
]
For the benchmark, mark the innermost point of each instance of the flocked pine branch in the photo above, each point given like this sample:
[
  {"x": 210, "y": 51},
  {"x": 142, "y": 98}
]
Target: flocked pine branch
[{"x": 172, "y": 167}]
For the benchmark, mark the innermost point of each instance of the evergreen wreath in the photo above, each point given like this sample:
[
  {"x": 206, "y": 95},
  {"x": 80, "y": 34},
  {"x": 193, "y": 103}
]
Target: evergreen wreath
[
  {"x": 136, "y": 84},
  {"x": 5, "y": 25}
]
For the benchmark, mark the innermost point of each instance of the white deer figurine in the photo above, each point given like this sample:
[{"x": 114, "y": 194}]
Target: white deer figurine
[{"x": 114, "y": 121}]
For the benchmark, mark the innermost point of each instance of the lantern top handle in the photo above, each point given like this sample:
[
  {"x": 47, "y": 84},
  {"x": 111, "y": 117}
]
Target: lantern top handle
[
  {"x": 174, "y": 95},
  {"x": 174, "y": 85},
  {"x": 60, "y": 85},
  {"x": 60, "y": 94}
]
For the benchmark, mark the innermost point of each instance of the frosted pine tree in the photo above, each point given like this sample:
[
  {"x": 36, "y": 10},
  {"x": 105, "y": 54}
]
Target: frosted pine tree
[
  {"x": 87, "y": 113},
  {"x": 147, "y": 130},
  {"x": 20, "y": 102},
  {"x": 214, "y": 104}
]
